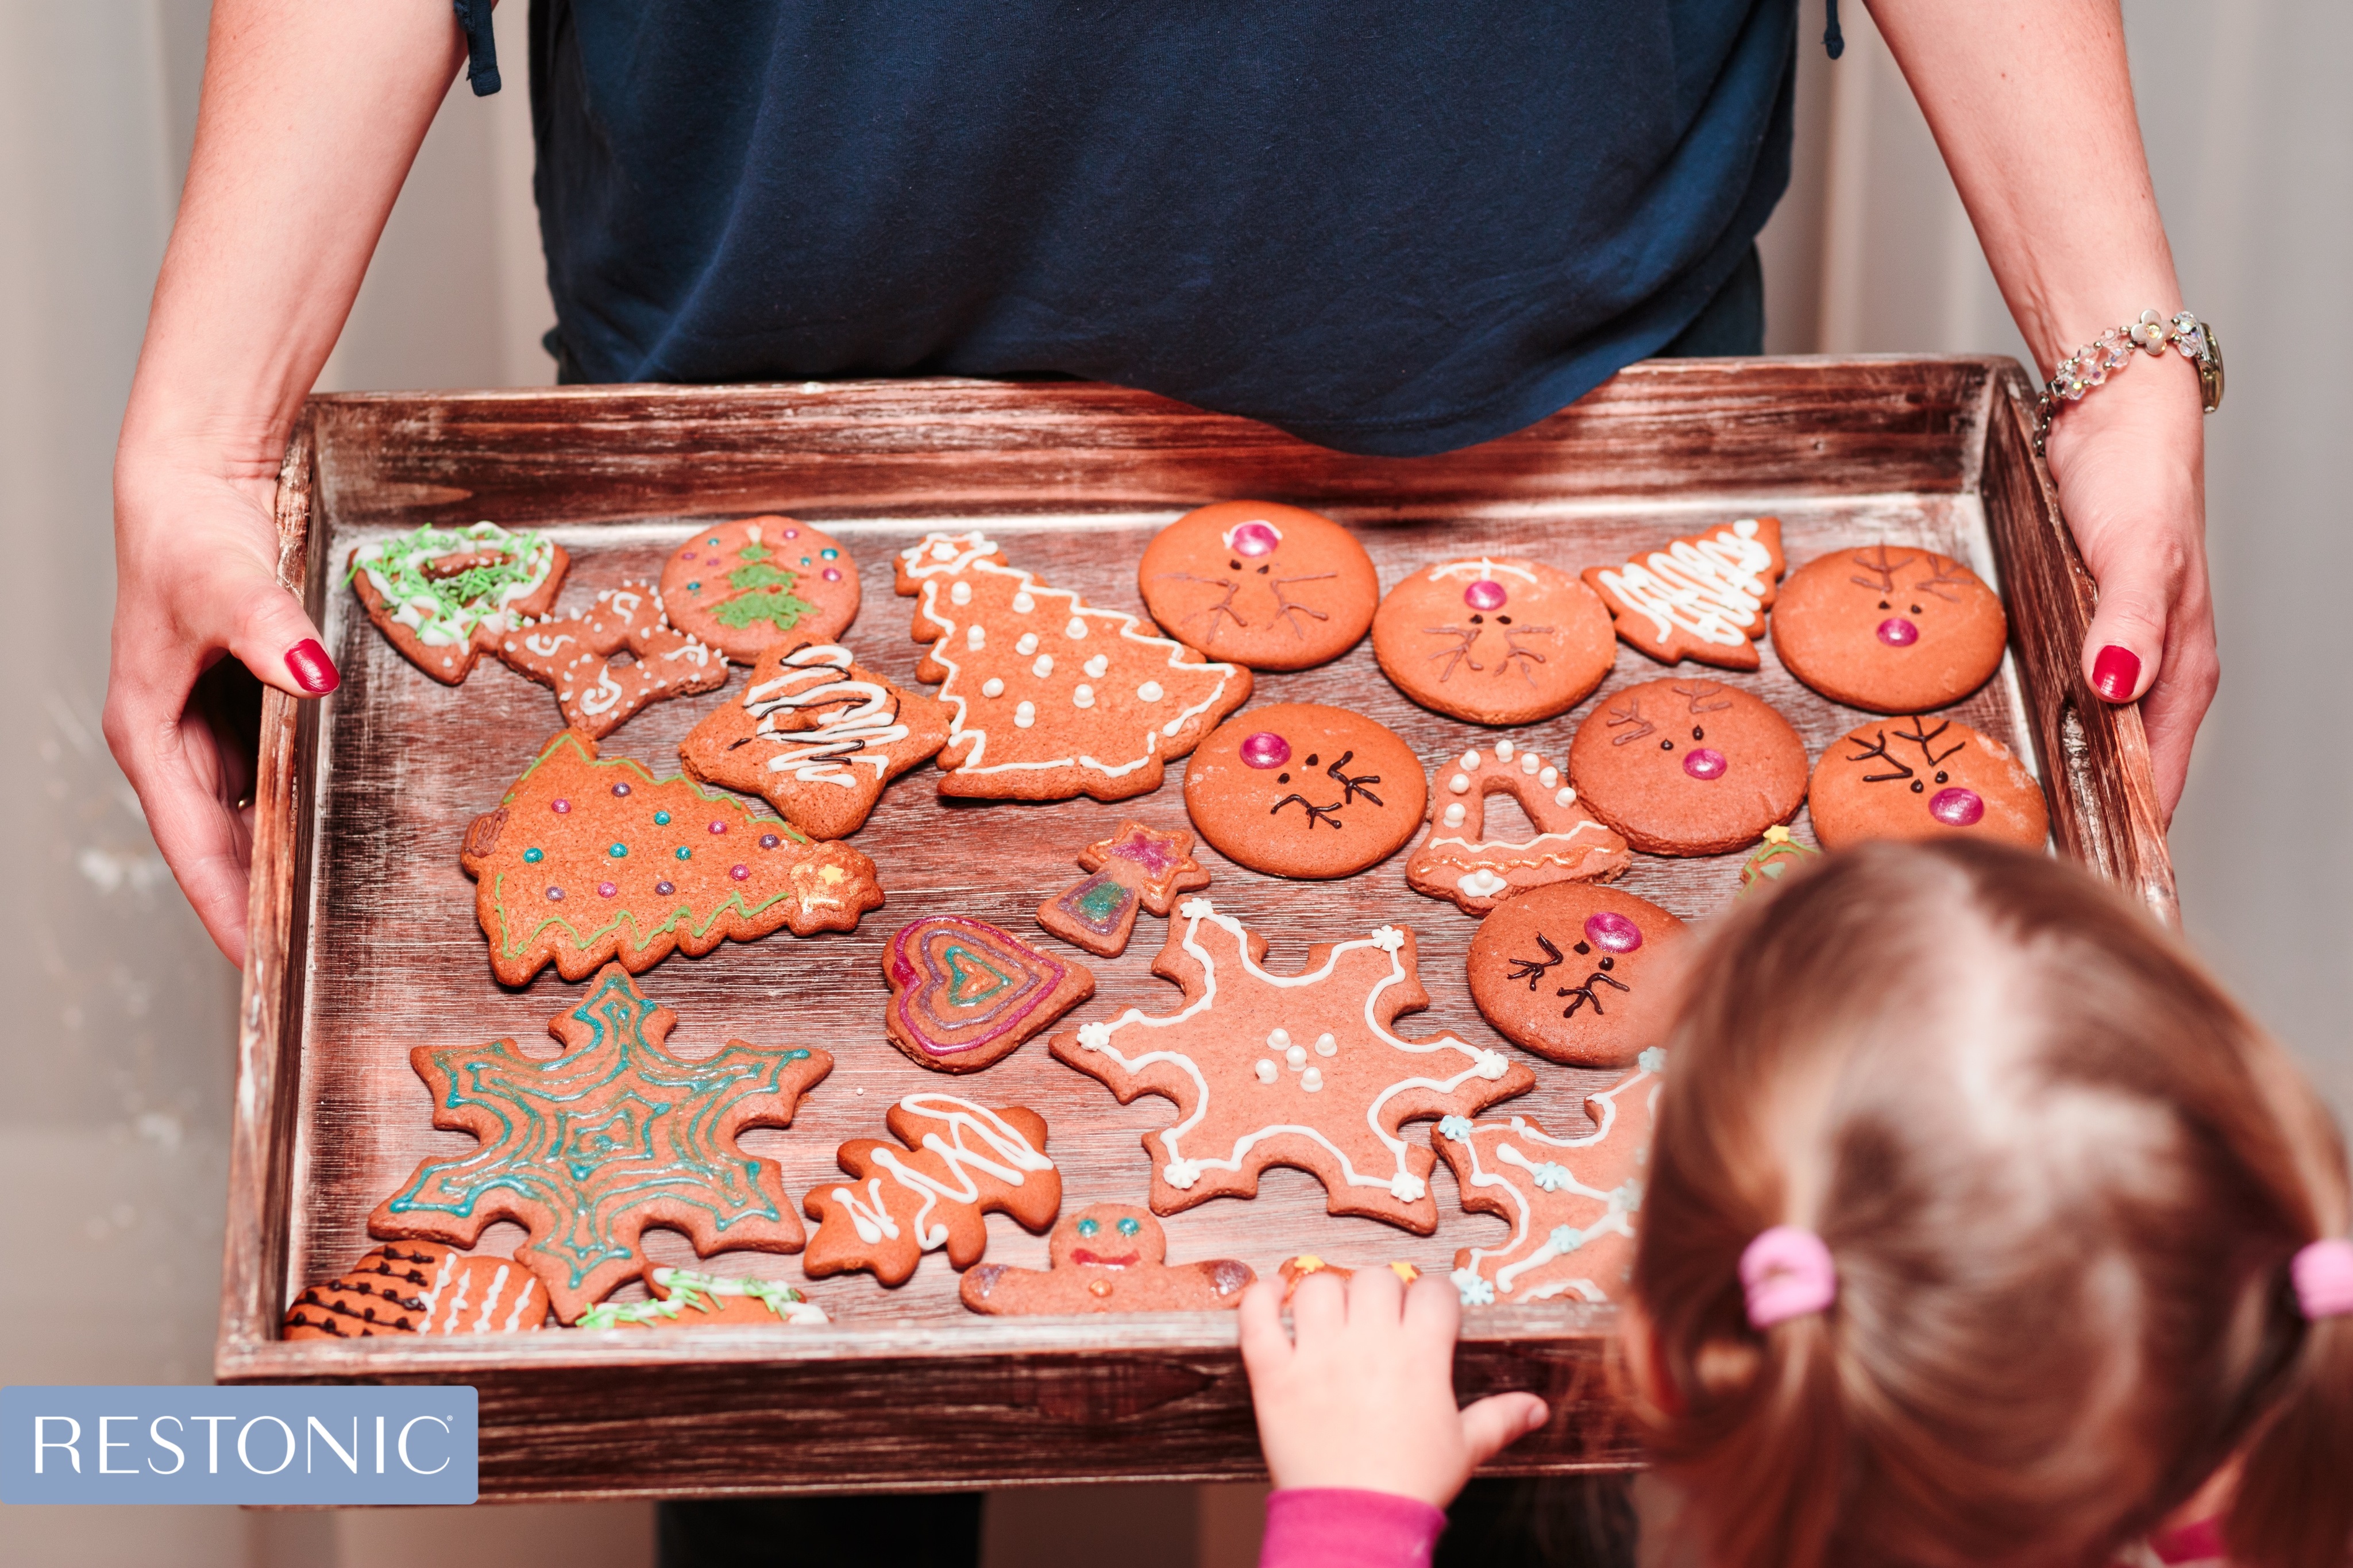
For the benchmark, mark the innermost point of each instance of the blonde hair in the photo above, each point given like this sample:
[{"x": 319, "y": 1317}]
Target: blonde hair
[{"x": 2061, "y": 1176}]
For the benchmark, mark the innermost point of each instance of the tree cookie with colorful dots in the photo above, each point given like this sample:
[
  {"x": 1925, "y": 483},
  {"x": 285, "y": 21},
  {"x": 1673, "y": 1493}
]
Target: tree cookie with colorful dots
[
  {"x": 1684, "y": 766},
  {"x": 1702, "y": 598},
  {"x": 1294, "y": 1269},
  {"x": 420, "y": 1287},
  {"x": 1301, "y": 790},
  {"x": 1920, "y": 778},
  {"x": 445, "y": 597},
  {"x": 689, "y": 1298},
  {"x": 1050, "y": 696},
  {"x": 1456, "y": 860},
  {"x": 1571, "y": 1202},
  {"x": 742, "y": 585},
  {"x": 588, "y": 860},
  {"x": 1107, "y": 1257},
  {"x": 1892, "y": 629},
  {"x": 955, "y": 1162},
  {"x": 578, "y": 657},
  {"x": 1578, "y": 974},
  {"x": 1290, "y": 1069},
  {"x": 1274, "y": 587},
  {"x": 965, "y": 992},
  {"x": 817, "y": 735},
  {"x": 1780, "y": 856},
  {"x": 588, "y": 1149},
  {"x": 1495, "y": 642},
  {"x": 1137, "y": 868}
]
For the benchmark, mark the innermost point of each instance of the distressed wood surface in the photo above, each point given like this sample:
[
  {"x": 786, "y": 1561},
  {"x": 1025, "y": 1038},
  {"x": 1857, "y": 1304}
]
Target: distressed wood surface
[{"x": 371, "y": 946}]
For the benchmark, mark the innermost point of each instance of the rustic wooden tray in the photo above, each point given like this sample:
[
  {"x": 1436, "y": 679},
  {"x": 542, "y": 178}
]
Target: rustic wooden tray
[{"x": 365, "y": 942}]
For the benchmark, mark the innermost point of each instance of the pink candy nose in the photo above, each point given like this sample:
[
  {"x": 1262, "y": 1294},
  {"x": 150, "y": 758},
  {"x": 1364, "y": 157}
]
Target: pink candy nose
[
  {"x": 1957, "y": 807},
  {"x": 1265, "y": 750},
  {"x": 1484, "y": 594},
  {"x": 1612, "y": 932},
  {"x": 1897, "y": 632},
  {"x": 1255, "y": 539},
  {"x": 1705, "y": 763}
]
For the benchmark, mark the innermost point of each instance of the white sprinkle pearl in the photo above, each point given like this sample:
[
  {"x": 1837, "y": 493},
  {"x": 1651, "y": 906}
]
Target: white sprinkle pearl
[
  {"x": 1023, "y": 604},
  {"x": 1266, "y": 1071},
  {"x": 1459, "y": 783},
  {"x": 1096, "y": 668},
  {"x": 1148, "y": 692},
  {"x": 1503, "y": 750},
  {"x": 1044, "y": 667},
  {"x": 1530, "y": 763},
  {"x": 1076, "y": 629},
  {"x": 1312, "y": 1079},
  {"x": 992, "y": 687},
  {"x": 1549, "y": 777},
  {"x": 1470, "y": 762},
  {"x": 974, "y": 637},
  {"x": 1025, "y": 715},
  {"x": 1027, "y": 644},
  {"x": 1455, "y": 813},
  {"x": 1297, "y": 1057},
  {"x": 1277, "y": 1040},
  {"x": 1566, "y": 796},
  {"x": 1084, "y": 696},
  {"x": 960, "y": 594},
  {"x": 1325, "y": 1046}
]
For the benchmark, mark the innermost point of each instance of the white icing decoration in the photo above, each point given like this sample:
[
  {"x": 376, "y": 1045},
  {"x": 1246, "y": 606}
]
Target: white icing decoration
[
  {"x": 1325, "y": 1046},
  {"x": 1312, "y": 1079},
  {"x": 1267, "y": 1071},
  {"x": 1713, "y": 587},
  {"x": 1469, "y": 763},
  {"x": 1084, "y": 697},
  {"x": 960, "y": 594},
  {"x": 1503, "y": 751},
  {"x": 1483, "y": 567},
  {"x": 1296, "y": 1057},
  {"x": 1566, "y": 796},
  {"x": 1149, "y": 692},
  {"x": 1076, "y": 630},
  {"x": 1549, "y": 777},
  {"x": 1553, "y": 1177},
  {"x": 1009, "y": 1159},
  {"x": 1027, "y": 644},
  {"x": 1459, "y": 783},
  {"x": 992, "y": 687},
  {"x": 949, "y": 555},
  {"x": 1023, "y": 604},
  {"x": 1481, "y": 883},
  {"x": 975, "y": 637},
  {"x": 1096, "y": 668},
  {"x": 1530, "y": 763},
  {"x": 1044, "y": 667},
  {"x": 1025, "y": 715},
  {"x": 817, "y": 677},
  {"x": 1455, "y": 813},
  {"x": 1279, "y": 1038}
]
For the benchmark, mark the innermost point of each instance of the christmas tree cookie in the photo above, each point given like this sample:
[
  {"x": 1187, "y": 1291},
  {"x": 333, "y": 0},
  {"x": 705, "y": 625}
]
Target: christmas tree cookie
[
  {"x": 954, "y": 1162},
  {"x": 588, "y": 860},
  {"x": 1051, "y": 697}
]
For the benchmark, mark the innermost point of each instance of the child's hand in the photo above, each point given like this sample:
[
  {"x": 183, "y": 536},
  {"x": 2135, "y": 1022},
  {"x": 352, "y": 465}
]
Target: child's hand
[{"x": 1364, "y": 1397}]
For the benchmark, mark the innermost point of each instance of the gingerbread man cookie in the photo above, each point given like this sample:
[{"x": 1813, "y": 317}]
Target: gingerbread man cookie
[
  {"x": 1136, "y": 868},
  {"x": 1296, "y": 1269},
  {"x": 965, "y": 992},
  {"x": 1702, "y": 598},
  {"x": 1457, "y": 861},
  {"x": 588, "y": 1149},
  {"x": 816, "y": 736},
  {"x": 739, "y": 586},
  {"x": 420, "y": 1287},
  {"x": 1892, "y": 629},
  {"x": 1688, "y": 767},
  {"x": 1107, "y": 1257},
  {"x": 1274, "y": 587},
  {"x": 1571, "y": 1201},
  {"x": 444, "y": 596},
  {"x": 1050, "y": 696},
  {"x": 1297, "y": 789},
  {"x": 689, "y": 1298},
  {"x": 1292, "y": 1070},
  {"x": 1495, "y": 642},
  {"x": 955, "y": 1162},
  {"x": 1920, "y": 778},
  {"x": 578, "y": 657},
  {"x": 1577, "y": 974},
  {"x": 590, "y": 859}
]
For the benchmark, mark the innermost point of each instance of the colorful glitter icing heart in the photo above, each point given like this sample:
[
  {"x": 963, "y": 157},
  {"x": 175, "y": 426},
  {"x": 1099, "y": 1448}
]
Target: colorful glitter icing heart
[{"x": 965, "y": 992}]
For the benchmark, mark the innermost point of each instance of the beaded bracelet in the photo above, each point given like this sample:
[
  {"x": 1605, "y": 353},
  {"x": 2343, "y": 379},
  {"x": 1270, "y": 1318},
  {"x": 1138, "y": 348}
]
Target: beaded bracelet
[{"x": 2091, "y": 365}]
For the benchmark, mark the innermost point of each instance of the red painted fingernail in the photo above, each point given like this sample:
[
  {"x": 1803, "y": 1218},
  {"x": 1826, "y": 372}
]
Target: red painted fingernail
[
  {"x": 314, "y": 672},
  {"x": 2116, "y": 672}
]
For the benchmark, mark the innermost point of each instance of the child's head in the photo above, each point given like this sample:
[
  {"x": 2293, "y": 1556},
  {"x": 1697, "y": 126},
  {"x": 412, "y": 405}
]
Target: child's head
[{"x": 2061, "y": 1178}]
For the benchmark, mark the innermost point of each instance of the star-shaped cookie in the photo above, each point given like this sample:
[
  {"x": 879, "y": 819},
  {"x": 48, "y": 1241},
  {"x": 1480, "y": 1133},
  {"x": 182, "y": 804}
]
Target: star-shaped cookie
[{"x": 1299, "y": 1069}]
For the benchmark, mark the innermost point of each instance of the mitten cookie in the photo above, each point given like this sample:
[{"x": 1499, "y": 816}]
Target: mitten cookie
[
  {"x": 1687, "y": 766},
  {"x": 687, "y": 1298},
  {"x": 965, "y": 992},
  {"x": 739, "y": 586},
  {"x": 1297, "y": 789},
  {"x": 1294, "y": 1069},
  {"x": 1571, "y": 1202},
  {"x": 1274, "y": 587},
  {"x": 1703, "y": 597},
  {"x": 1107, "y": 1257},
  {"x": 1495, "y": 642},
  {"x": 590, "y": 860},
  {"x": 586, "y": 1149},
  {"x": 444, "y": 596},
  {"x": 1136, "y": 868},
  {"x": 816, "y": 736},
  {"x": 1577, "y": 974},
  {"x": 1890, "y": 629},
  {"x": 1918, "y": 778},
  {"x": 1050, "y": 696},
  {"x": 575, "y": 656},
  {"x": 955, "y": 1162},
  {"x": 420, "y": 1287},
  {"x": 1456, "y": 860}
]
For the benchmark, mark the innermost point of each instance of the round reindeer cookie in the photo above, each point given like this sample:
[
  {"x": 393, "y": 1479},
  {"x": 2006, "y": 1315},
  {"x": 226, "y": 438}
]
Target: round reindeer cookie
[
  {"x": 1302, "y": 790},
  {"x": 742, "y": 585},
  {"x": 1916, "y": 778},
  {"x": 1495, "y": 642},
  {"x": 1274, "y": 587},
  {"x": 1688, "y": 767},
  {"x": 1578, "y": 974},
  {"x": 1889, "y": 628}
]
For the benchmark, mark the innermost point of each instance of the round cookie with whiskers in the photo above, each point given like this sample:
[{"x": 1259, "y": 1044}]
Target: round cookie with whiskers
[
  {"x": 1889, "y": 628},
  {"x": 1301, "y": 790},
  {"x": 742, "y": 585},
  {"x": 1920, "y": 778},
  {"x": 1495, "y": 642},
  {"x": 1269, "y": 587},
  {"x": 1578, "y": 974},
  {"x": 1457, "y": 861},
  {"x": 1687, "y": 766}
]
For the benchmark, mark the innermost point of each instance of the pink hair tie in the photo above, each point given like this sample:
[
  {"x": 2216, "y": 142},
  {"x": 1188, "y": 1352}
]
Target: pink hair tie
[
  {"x": 1787, "y": 1273},
  {"x": 2323, "y": 1273}
]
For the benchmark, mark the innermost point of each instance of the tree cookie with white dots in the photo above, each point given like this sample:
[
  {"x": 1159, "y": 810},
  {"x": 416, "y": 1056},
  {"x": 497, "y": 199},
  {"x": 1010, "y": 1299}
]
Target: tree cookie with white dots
[
  {"x": 1274, "y": 587},
  {"x": 1048, "y": 696},
  {"x": 742, "y": 585},
  {"x": 1107, "y": 1257},
  {"x": 1298, "y": 789},
  {"x": 1889, "y": 628},
  {"x": 1921, "y": 778},
  {"x": 1457, "y": 861},
  {"x": 1495, "y": 642},
  {"x": 1579, "y": 973},
  {"x": 1684, "y": 766},
  {"x": 1701, "y": 597}
]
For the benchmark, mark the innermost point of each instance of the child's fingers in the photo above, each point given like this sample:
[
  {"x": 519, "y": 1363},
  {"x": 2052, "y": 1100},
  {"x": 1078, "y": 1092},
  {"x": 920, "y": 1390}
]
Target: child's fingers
[
  {"x": 1373, "y": 1298},
  {"x": 1496, "y": 1422},
  {"x": 1434, "y": 1307},
  {"x": 1265, "y": 1346},
  {"x": 1319, "y": 1309}
]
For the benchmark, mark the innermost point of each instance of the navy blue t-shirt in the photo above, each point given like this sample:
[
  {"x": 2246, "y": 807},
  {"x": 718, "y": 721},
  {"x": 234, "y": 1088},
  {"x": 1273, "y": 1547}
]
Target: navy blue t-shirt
[{"x": 1387, "y": 226}]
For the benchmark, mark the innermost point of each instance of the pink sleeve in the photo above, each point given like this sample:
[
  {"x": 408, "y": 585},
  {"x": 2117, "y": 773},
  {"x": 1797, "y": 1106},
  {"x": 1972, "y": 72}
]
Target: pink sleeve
[{"x": 1338, "y": 1527}]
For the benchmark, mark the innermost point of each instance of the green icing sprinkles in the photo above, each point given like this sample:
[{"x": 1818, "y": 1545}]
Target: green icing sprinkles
[{"x": 446, "y": 611}]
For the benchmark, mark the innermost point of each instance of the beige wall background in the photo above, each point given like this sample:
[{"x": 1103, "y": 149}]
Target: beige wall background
[{"x": 115, "y": 1072}]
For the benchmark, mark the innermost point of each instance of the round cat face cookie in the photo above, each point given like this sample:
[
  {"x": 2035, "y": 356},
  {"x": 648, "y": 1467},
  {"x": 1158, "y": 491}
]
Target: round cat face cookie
[
  {"x": 1916, "y": 778},
  {"x": 1302, "y": 790},
  {"x": 1890, "y": 628},
  {"x": 1272, "y": 587},
  {"x": 1495, "y": 642},
  {"x": 742, "y": 585},
  {"x": 1684, "y": 766},
  {"x": 1578, "y": 974}
]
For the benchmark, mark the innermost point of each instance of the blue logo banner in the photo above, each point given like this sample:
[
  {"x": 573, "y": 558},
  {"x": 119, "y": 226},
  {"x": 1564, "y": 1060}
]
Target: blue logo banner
[{"x": 291, "y": 1445}]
